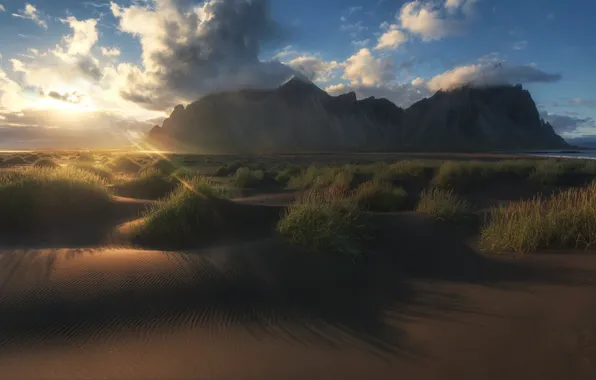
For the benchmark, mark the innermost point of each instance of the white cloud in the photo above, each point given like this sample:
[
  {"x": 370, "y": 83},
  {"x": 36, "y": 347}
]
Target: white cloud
[
  {"x": 30, "y": 12},
  {"x": 364, "y": 69},
  {"x": 315, "y": 68},
  {"x": 486, "y": 74},
  {"x": 391, "y": 39},
  {"x": 432, "y": 21},
  {"x": 418, "y": 82},
  {"x": 361, "y": 43},
  {"x": 2, "y": 9},
  {"x": 84, "y": 35},
  {"x": 110, "y": 52}
]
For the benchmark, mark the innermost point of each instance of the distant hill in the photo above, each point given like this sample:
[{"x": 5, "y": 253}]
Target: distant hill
[{"x": 299, "y": 116}]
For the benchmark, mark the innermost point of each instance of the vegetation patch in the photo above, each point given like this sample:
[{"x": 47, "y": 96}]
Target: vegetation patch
[
  {"x": 124, "y": 164},
  {"x": 246, "y": 178},
  {"x": 566, "y": 220},
  {"x": 164, "y": 166},
  {"x": 380, "y": 196},
  {"x": 151, "y": 184},
  {"x": 14, "y": 161},
  {"x": 40, "y": 197},
  {"x": 195, "y": 212},
  {"x": 99, "y": 170},
  {"x": 324, "y": 220},
  {"x": 46, "y": 163},
  {"x": 443, "y": 204}
]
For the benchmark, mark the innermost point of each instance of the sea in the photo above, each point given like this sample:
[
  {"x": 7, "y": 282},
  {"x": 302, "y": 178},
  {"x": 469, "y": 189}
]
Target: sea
[{"x": 579, "y": 154}]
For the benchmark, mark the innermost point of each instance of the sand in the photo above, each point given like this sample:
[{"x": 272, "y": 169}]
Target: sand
[{"x": 264, "y": 310}]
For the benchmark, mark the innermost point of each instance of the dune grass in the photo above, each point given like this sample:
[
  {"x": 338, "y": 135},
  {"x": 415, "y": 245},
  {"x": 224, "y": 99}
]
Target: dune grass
[
  {"x": 443, "y": 205},
  {"x": 124, "y": 164},
  {"x": 32, "y": 197},
  {"x": 566, "y": 220},
  {"x": 14, "y": 161},
  {"x": 193, "y": 212},
  {"x": 164, "y": 166},
  {"x": 324, "y": 220},
  {"x": 247, "y": 178},
  {"x": 320, "y": 177},
  {"x": 46, "y": 163},
  {"x": 100, "y": 170},
  {"x": 151, "y": 184},
  {"x": 380, "y": 196}
]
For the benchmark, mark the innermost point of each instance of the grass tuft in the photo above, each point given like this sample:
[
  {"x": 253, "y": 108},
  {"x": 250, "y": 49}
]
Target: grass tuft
[
  {"x": 32, "y": 197},
  {"x": 46, "y": 163},
  {"x": 324, "y": 220},
  {"x": 151, "y": 184},
  {"x": 193, "y": 212},
  {"x": 443, "y": 205},
  {"x": 246, "y": 178},
  {"x": 566, "y": 220},
  {"x": 124, "y": 164},
  {"x": 380, "y": 196}
]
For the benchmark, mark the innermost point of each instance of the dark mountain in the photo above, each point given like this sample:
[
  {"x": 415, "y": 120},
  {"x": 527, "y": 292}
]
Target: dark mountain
[{"x": 299, "y": 116}]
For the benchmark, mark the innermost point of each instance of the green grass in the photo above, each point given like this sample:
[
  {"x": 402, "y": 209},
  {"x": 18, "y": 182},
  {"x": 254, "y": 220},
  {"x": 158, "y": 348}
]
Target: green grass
[
  {"x": 405, "y": 168},
  {"x": 247, "y": 178},
  {"x": 380, "y": 196},
  {"x": 46, "y": 163},
  {"x": 32, "y": 197},
  {"x": 163, "y": 165},
  {"x": 85, "y": 157},
  {"x": 191, "y": 213},
  {"x": 443, "y": 204},
  {"x": 566, "y": 220},
  {"x": 320, "y": 177},
  {"x": 124, "y": 164},
  {"x": 99, "y": 170},
  {"x": 324, "y": 220},
  {"x": 14, "y": 161},
  {"x": 151, "y": 184}
]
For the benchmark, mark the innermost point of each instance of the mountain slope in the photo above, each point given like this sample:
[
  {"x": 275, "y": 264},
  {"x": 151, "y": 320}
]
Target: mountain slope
[{"x": 299, "y": 116}]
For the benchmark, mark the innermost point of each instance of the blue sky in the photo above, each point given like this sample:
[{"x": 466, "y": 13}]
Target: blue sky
[{"x": 85, "y": 58}]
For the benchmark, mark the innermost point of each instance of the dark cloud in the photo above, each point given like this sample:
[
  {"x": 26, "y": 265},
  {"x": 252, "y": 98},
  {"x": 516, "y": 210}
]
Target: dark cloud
[
  {"x": 89, "y": 67},
  {"x": 216, "y": 54},
  {"x": 69, "y": 97},
  {"x": 566, "y": 123}
]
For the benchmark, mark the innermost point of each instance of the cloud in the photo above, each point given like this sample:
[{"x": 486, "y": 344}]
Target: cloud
[
  {"x": 315, "y": 68},
  {"x": 364, "y": 69},
  {"x": 401, "y": 94},
  {"x": 110, "y": 52},
  {"x": 520, "y": 45},
  {"x": 84, "y": 35},
  {"x": 30, "y": 12},
  {"x": 566, "y": 123},
  {"x": 391, "y": 39},
  {"x": 431, "y": 21},
  {"x": 487, "y": 74},
  {"x": 190, "y": 51},
  {"x": 584, "y": 102},
  {"x": 354, "y": 28},
  {"x": 68, "y": 97},
  {"x": 418, "y": 82},
  {"x": 2, "y": 9},
  {"x": 361, "y": 43}
]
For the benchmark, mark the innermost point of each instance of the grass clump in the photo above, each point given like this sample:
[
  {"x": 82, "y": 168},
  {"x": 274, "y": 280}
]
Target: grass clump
[
  {"x": 164, "y": 166},
  {"x": 443, "y": 204},
  {"x": 46, "y": 163},
  {"x": 151, "y": 184},
  {"x": 99, "y": 170},
  {"x": 193, "y": 212},
  {"x": 380, "y": 196},
  {"x": 245, "y": 178},
  {"x": 14, "y": 161},
  {"x": 324, "y": 220},
  {"x": 320, "y": 177},
  {"x": 566, "y": 220},
  {"x": 226, "y": 170},
  {"x": 124, "y": 164},
  {"x": 33, "y": 197}
]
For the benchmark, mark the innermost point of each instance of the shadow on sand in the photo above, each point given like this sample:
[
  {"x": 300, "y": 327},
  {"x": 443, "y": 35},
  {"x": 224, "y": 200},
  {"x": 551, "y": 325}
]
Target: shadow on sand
[{"x": 266, "y": 286}]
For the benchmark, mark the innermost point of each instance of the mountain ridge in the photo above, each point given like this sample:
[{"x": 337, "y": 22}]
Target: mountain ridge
[{"x": 300, "y": 116}]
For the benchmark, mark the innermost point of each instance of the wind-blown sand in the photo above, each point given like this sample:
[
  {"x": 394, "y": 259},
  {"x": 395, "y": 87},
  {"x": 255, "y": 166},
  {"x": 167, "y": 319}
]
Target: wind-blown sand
[{"x": 427, "y": 308}]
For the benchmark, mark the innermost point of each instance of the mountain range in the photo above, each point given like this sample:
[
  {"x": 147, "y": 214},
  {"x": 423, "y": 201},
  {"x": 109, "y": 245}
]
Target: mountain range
[{"x": 299, "y": 116}]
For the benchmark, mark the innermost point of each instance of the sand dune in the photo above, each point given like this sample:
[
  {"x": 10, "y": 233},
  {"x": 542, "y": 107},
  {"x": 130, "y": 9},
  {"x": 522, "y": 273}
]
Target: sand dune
[{"x": 264, "y": 310}]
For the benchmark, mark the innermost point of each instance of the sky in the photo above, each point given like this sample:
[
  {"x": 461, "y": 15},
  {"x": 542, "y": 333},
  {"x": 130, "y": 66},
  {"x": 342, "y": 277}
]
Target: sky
[{"x": 120, "y": 66}]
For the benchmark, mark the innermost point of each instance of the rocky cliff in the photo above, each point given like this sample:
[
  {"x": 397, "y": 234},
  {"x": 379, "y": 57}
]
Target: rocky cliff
[{"x": 299, "y": 116}]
